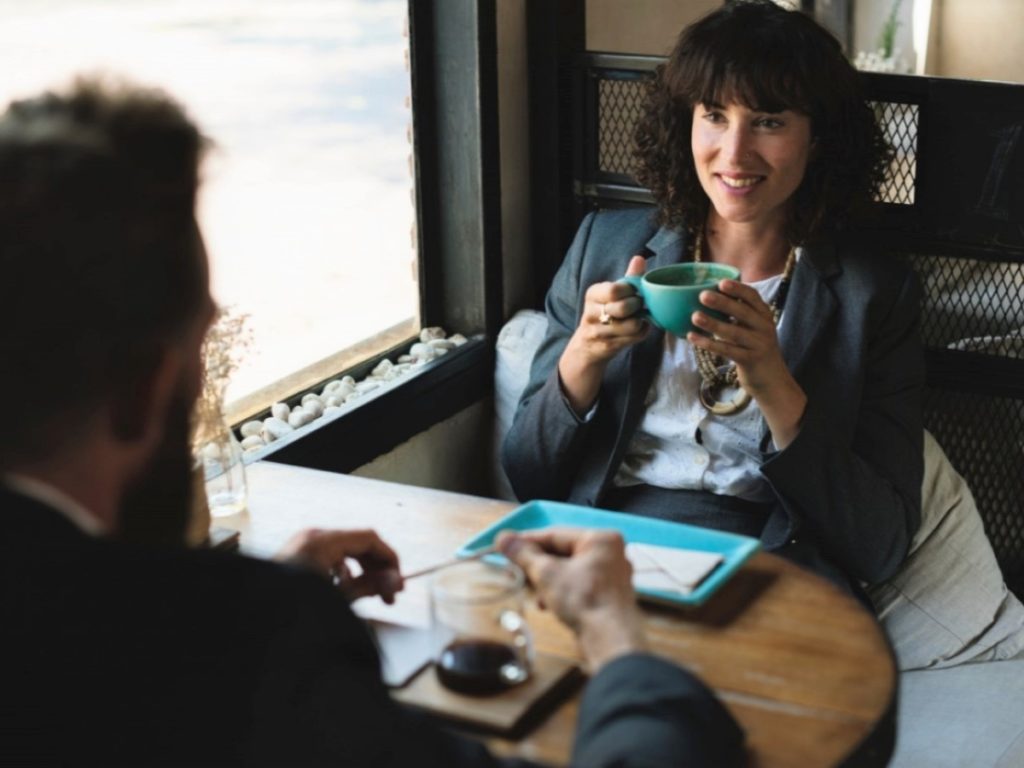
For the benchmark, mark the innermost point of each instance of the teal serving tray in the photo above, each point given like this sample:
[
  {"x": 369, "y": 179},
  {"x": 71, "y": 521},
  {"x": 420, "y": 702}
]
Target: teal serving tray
[{"x": 734, "y": 548}]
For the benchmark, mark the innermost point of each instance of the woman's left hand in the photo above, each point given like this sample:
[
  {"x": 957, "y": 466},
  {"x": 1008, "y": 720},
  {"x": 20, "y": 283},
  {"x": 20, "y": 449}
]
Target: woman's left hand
[{"x": 749, "y": 339}]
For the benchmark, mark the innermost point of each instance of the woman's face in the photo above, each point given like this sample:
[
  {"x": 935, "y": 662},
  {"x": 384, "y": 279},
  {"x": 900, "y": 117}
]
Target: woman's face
[{"x": 750, "y": 162}]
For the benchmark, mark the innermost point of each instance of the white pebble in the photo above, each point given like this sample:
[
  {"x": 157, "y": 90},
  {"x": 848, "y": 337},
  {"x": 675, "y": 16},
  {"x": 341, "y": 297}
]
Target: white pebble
[
  {"x": 311, "y": 397},
  {"x": 432, "y": 333},
  {"x": 405, "y": 359},
  {"x": 275, "y": 428},
  {"x": 331, "y": 386},
  {"x": 422, "y": 351},
  {"x": 333, "y": 401},
  {"x": 440, "y": 345},
  {"x": 331, "y": 409},
  {"x": 252, "y": 442},
  {"x": 367, "y": 386},
  {"x": 251, "y": 428},
  {"x": 353, "y": 396},
  {"x": 403, "y": 367},
  {"x": 280, "y": 411},
  {"x": 315, "y": 408},
  {"x": 458, "y": 339},
  {"x": 299, "y": 417},
  {"x": 348, "y": 380},
  {"x": 382, "y": 368}
]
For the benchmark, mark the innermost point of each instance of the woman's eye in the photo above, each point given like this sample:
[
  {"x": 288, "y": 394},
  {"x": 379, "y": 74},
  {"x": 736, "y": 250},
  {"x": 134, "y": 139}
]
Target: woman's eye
[
  {"x": 768, "y": 122},
  {"x": 713, "y": 117}
]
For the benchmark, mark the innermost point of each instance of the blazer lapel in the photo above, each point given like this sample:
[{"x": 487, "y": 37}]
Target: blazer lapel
[
  {"x": 809, "y": 307},
  {"x": 640, "y": 362}
]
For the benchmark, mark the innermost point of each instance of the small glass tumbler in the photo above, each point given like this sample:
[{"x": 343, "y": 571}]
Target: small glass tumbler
[
  {"x": 482, "y": 643},
  {"x": 224, "y": 470}
]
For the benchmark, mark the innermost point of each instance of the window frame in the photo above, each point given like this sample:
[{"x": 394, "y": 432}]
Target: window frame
[{"x": 453, "y": 70}]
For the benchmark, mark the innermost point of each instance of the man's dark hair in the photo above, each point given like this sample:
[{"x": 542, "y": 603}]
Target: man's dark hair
[
  {"x": 99, "y": 252},
  {"x": 767, "y": 58}
]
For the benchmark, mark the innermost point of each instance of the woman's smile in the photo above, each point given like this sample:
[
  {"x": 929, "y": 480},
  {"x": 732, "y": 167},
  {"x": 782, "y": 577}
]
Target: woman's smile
[{"x": 737, "y": 183}]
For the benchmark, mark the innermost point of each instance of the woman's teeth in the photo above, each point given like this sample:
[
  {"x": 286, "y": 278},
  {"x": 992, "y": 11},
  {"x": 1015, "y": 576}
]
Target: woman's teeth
[{"x": 740, "y": 183}]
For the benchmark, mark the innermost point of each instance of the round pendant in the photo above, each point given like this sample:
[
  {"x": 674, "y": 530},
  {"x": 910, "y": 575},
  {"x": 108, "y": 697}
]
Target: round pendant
[{"x": 709, "y": 399}]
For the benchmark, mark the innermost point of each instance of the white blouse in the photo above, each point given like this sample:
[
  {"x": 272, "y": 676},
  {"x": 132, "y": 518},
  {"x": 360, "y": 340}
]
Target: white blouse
[{"x": 680, "y": 444}]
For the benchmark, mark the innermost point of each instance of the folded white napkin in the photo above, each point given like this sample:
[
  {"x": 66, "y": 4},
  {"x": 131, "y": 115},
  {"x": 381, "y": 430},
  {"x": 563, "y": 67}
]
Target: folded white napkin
[{"x": 669, "y": 569}]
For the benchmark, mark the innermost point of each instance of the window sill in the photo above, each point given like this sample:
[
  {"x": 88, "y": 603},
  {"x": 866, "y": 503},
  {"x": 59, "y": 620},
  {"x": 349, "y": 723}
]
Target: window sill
[
  {"x": 389, "y": 415},
  {"x": 385, "y": 343}
]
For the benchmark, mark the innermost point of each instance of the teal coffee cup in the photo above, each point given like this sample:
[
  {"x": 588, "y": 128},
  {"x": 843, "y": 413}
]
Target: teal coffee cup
[{"x": 672, "y": 294}]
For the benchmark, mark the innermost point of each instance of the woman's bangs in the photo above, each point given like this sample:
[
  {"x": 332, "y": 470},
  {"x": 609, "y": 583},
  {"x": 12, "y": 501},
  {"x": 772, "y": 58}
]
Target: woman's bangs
[{"x": 761, "y": 83}]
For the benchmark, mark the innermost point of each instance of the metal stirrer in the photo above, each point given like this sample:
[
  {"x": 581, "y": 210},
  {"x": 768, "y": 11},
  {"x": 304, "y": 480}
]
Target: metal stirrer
[{"x": 493, "y": 549}]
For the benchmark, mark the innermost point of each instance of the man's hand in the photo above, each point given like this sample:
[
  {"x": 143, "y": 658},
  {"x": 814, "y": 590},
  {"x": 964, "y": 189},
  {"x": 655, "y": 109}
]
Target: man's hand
[
  {"x": 327, "y": 552},
  {"x": 585, "y": 578}
]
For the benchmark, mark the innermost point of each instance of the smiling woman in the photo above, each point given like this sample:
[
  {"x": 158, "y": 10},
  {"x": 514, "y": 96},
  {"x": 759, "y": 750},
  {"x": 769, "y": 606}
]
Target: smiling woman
[
  {"x": 307, "y": 200},
  {"x": 795, "y": 414}
]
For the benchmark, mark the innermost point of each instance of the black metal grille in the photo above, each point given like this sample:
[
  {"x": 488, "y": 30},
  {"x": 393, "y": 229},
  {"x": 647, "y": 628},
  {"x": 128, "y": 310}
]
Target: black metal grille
[
  {"x": 618, "y": 108},
  {"x": 899, "y": 122},
  {"x": 983, "y": 438},
  {"x": 972, "y": 305}
]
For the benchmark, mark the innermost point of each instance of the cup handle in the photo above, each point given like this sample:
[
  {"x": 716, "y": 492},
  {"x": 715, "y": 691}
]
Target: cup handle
[{"x": 636, "y": 282}]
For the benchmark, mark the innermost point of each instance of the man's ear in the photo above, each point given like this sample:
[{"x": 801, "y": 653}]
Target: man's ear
[{"x": 140, "y": 406}]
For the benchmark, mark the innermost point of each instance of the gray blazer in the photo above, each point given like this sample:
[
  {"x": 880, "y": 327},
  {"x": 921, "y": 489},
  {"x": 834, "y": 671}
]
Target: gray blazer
[{"x": 848, "y": 488}]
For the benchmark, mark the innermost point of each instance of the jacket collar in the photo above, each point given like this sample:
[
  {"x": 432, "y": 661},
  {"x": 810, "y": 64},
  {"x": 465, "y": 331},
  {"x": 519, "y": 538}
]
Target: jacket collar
[{"x": 666, "y": 246}]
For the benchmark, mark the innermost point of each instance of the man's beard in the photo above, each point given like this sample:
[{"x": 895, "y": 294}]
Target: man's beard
[{"x": 155, "y": 506}]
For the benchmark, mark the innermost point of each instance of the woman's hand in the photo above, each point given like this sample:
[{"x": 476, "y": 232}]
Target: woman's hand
[
  {"x": 608, "y": 324},
  {"x": 750, "y": 340}
]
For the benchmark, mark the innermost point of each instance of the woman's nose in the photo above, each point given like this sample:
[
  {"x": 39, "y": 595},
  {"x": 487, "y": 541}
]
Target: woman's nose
[{"x": 737, "y": 144}]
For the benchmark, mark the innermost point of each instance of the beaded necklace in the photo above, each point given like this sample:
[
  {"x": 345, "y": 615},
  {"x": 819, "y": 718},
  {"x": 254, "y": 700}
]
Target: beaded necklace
[{"x": 715, "y": 373}]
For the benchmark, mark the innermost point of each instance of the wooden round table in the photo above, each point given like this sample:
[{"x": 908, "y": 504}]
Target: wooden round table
[{"x": 803, "y": 667}]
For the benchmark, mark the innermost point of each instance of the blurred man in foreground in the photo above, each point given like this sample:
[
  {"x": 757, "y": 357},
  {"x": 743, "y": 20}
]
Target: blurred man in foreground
[{"x": 121, "y": 646}]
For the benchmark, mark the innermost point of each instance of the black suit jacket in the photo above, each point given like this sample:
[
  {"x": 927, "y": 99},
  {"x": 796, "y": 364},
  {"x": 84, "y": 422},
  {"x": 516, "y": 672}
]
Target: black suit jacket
[
  {"x": 848, "y": 488},
  {"x": 114, "y": 655}
]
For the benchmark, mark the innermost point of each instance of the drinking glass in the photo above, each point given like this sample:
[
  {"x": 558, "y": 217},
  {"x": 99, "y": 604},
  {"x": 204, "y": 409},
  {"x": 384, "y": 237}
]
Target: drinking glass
[
  {"x": 224, "y": 470},
  {"x": 482, "y": 642}
]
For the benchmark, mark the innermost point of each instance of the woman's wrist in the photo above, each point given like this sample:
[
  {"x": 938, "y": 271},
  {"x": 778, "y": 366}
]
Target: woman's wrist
[
  {"x": 783, "y": 408},
  {"x": 580, "y": 379}
]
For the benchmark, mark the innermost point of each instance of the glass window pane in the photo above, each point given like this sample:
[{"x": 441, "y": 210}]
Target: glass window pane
[{"x": 307, "y": 204}]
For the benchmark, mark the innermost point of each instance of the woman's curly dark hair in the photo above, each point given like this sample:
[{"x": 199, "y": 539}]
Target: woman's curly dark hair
[{"x": 771, "y": 59}]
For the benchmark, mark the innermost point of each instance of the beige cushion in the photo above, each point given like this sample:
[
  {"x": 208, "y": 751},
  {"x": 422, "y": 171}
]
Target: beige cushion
[
  {"x": 948, "y": 604},
  {"x": 966, "y": 717},
  {"x": 517, "y": 343}
]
